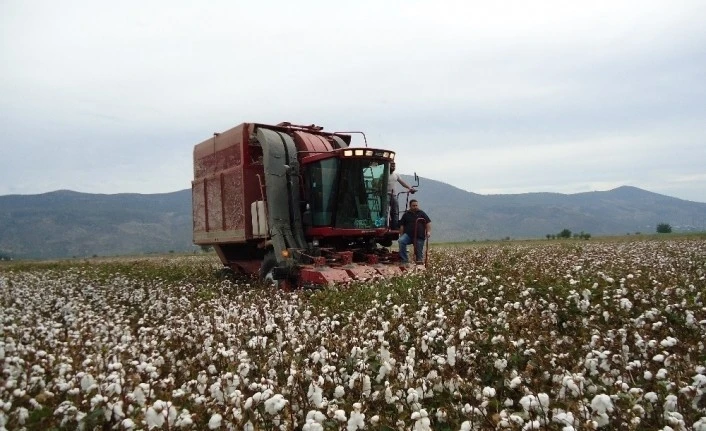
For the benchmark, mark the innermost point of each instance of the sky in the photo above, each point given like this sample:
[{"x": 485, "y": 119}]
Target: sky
[{"x": 491, "y": 97}]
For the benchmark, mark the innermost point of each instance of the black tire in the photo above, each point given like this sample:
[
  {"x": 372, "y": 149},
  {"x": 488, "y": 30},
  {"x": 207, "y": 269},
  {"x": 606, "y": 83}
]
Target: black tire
[
  {"x": 268, "y": 264},
  {"x": 226, "y": 273}
]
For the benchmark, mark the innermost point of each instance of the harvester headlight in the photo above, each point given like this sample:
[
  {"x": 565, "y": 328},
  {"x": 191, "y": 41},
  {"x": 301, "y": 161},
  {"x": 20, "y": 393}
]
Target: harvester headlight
[
  {"x": 348, "y": 153},
  {"x": 359, "y": 152},
  {"x": 368, "y": 153},
  {"x": 285, "y": 253},
  {"x": 392, "y": 156},
  {"x": 386, "y": 154},
  {"x": 315, "y": 243}
]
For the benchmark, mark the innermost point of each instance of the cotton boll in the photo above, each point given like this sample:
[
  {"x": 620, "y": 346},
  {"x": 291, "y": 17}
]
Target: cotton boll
[
  {"x": 602, "y": 403},
  {"x": 357, "y": 419},
  {"x": 275, "y": 404},
  {"x": 422, "y": 421},
  {"x": 215, "y": 421},
  {"x": 488, "y": 392},
  {"x": 700, "y": 425},
  {"x": 340, "y": 415},
  {"x": 154, "y": 419}
]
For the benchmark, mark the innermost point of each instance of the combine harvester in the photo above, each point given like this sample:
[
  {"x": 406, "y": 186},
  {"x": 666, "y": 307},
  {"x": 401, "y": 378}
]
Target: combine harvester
[{"x": 294, "y": 205}]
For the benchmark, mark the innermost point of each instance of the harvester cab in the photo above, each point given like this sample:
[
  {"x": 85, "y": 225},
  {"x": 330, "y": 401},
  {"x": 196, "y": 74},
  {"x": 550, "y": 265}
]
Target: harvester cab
[{"x": 294, "y": 204}]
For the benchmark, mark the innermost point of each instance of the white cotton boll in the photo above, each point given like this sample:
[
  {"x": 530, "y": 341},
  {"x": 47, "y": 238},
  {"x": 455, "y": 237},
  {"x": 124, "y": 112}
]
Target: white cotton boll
[
  {"x": 670, "y": 403},
  {"x": 340, "y": 415},
  {"x": 315, "y": 416},
  {"x": 658, "y": 358},
  {"x": 367, "y": 386},
  {"x": 500, "y": 364},
  {"x": 532, "y": 425},
  {"x": 88, "y": 383},
  {"x": 602, "y": 404},
  {"x": 22, "y": 415},
  {"x": 139, "y": 396},
  {"x": 668, "y": 342},
  {"x": 515, "y": 382},
  {"x": 543, "y": 400},
  {"x": 215, "y": 421},
  {"x": 312, "y": 425},
  {"x": 662, "y": 374},
  {"x": 529, "y": 402},
  {"x": 356, "y": 420},
  {"x": 275, "y": 404},
  {"x": 488, "y": 392},
  {"x": 127, "y": 424},
  {"x": 212, "y": 369},
  {"x": 651, "y": 397},
  {"x": 339, "y": 392},
  {"x": 700, "y": 425},
  {"x": 315, "y": 395},
  {"x": 153, "y": 418},
  {"x": 184, "y": 420},
  {"x": 451, "y": 355},
  {"x": 423, "y": 423},
  {"x": 508, "y": 402}
]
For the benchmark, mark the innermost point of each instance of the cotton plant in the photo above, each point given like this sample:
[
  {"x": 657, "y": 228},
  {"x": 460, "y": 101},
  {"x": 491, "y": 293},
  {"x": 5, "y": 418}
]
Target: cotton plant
[{"x": 520, "y": 337}]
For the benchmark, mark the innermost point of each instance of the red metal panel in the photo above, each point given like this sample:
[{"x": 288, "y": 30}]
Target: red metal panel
[
  {"x": 233, "y": 201},
  {"x": 214, "y": 215},
  {"x": 222, "y": 151},
  {"x": 330, "y": 231},
  {"x": 308, "y": 142},
  {"x": 198, "y": 206},
  {"x": 323, "y": 276},
  {"x": 388, "y": 271},
  {"x": 361, "y": 272}
]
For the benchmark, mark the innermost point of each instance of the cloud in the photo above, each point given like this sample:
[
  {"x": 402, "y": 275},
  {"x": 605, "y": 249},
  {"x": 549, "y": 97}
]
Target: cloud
[{"x": 546, "y": 95}]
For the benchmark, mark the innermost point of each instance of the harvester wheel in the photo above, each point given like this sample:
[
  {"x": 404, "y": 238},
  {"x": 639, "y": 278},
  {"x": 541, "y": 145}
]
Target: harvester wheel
[
  {"x": 226, "y": 273},
  {"x": 268, "y": 264}
]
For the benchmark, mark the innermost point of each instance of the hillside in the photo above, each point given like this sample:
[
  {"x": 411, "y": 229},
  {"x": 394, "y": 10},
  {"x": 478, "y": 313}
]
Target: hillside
[
  {"x": 67, "y": 224},
  {"x": 459, "y": 215}
]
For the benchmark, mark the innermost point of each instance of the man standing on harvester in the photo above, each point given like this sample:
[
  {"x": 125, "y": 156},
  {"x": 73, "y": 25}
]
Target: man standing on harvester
[
  {"x": 415, "y": 224},
  {"x": 394, "y": 205}
]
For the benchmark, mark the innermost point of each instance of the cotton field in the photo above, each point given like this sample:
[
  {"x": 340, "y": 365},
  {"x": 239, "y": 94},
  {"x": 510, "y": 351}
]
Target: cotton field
[{"x": 557, "y": 336}]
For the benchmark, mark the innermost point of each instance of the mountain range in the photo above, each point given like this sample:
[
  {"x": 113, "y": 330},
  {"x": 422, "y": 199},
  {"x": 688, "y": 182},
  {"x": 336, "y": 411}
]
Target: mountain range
[{"x": 65, "y": 223}]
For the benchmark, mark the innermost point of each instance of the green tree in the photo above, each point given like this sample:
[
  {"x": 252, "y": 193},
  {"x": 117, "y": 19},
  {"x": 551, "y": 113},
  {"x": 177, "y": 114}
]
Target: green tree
[
  {"x": 664, "y": 228},
  {"x": 566, "y": 233}
]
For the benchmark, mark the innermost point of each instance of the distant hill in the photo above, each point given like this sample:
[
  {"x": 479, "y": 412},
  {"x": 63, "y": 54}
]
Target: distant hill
[
  {"x": 459, "y": 215},
  {"x": 66, "y": 223}
]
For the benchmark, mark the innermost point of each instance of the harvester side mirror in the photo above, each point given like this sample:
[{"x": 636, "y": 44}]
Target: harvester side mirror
[{"x": 416, "y": 179}]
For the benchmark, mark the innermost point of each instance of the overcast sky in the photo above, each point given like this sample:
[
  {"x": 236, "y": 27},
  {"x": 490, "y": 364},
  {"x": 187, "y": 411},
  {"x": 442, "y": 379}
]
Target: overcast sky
[{"x": 491, "y": 97}]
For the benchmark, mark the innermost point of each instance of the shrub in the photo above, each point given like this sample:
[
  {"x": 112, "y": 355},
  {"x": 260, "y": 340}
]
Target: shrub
[{"x": 664, "y": 228}]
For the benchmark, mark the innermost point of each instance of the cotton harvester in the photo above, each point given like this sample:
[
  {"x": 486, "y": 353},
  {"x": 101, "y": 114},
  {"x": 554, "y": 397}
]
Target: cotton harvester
[{"x": 294, "y": 205}]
